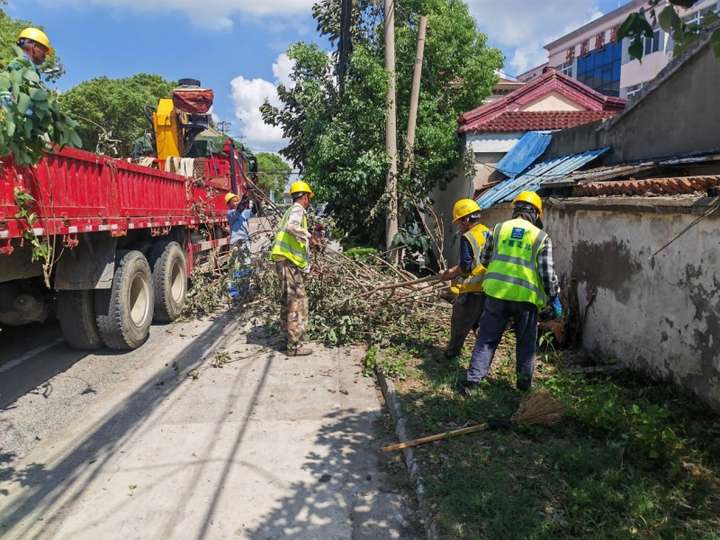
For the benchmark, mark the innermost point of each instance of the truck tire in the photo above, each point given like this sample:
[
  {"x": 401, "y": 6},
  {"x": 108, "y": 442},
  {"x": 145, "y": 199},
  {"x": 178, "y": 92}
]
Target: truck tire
[
  {"x": 169, "y": 281},
  {"x": 125, "y": 312},
  {"x": 76, "y": 313}
]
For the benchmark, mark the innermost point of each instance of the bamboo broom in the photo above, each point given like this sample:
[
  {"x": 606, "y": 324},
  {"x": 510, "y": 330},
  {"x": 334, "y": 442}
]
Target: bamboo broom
[{"x": 539, "y": 408}]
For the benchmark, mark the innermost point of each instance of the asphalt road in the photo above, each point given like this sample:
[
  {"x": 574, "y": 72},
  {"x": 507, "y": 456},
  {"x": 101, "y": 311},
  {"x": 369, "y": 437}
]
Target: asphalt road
[{"x": 165, "y": 442}]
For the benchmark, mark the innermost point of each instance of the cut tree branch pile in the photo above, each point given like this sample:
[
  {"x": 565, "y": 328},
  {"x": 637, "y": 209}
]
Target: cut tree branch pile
[{"x": 353, "y": 299}]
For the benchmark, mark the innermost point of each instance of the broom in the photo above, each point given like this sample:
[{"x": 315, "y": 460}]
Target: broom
[{"x": 539, "y": 408}]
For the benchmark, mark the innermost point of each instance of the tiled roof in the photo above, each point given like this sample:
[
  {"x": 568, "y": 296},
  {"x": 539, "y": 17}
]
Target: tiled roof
[
  {"x": 652, "y": 186},
  {"x": 511, "y": 121},
  {"x": 551, "y": 82}
]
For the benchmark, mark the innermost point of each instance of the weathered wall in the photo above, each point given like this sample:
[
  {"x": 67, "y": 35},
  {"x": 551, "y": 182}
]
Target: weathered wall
[
  {"x": 680, "y": 116},
  {"x": 661, "y": 315}
]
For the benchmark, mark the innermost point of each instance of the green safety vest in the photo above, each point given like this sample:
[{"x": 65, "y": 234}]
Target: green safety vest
[
  {"x": 473, "y": 282},
  {"x": 286, "y": 246},
  {"x": 513, "y": 270}
]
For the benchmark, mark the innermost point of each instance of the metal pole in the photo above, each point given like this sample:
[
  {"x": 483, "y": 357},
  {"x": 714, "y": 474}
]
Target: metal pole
[
  {"x": 391, "y": 222},
  {"x": 415, "y": 94}
]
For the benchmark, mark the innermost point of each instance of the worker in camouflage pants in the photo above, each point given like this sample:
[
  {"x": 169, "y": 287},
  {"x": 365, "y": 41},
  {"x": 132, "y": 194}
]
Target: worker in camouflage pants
[
  {"x": 293, "y": 304},
  {"x": 291, "y": 253}
]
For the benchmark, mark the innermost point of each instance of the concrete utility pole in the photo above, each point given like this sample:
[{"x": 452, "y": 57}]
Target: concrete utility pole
[
  {"x": 415, "y": 94},
  {"x": 391, "y": 222}
]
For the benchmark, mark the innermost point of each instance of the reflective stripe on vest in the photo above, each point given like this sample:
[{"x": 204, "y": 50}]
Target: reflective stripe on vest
[
  {"x": 287, "y": 246},
  {"x": 513, "y": 271},
  {"x": 476, "y": 237}
]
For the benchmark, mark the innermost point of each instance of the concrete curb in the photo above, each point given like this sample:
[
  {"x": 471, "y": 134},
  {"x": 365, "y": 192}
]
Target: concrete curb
[{"x": 388, "y": 390}]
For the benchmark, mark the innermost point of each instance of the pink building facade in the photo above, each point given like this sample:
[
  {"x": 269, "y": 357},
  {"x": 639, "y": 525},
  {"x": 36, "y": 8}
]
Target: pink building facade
[{"x": 593, "y": 55}]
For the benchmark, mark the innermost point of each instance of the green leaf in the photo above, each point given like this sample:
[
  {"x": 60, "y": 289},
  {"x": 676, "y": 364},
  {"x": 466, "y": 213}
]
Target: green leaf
[
  {"x": 636, "y": 48},
  {"x": 4, "y": 82},
  {"x": 684, "y": 3},
  {"x": 39, "y": 94},
  {"x": 669, "y": 20},
  {"x": 75, "y": 139},
  {"x": 31, "y": 75},
  {"x": 10, "y": 127},
  {"x": 23, "y": 103}
]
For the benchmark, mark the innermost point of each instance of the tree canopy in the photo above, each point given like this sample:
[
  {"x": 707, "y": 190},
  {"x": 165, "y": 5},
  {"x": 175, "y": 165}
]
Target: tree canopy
[
  {"x": 114, "y": 108},
  {"x": 273, "y": 172},
  {"x": 338, "y": 140},
  {"x": 9, "y": 30}
]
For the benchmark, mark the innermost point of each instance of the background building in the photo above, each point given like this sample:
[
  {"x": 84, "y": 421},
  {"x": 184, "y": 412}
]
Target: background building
[{"x": 593, "y": 55}]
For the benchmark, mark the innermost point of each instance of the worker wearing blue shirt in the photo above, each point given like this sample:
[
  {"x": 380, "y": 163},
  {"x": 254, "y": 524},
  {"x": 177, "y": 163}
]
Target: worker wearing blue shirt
[
  {"x": 468, "y": 306},
  {"x": 239, "y": 213}
]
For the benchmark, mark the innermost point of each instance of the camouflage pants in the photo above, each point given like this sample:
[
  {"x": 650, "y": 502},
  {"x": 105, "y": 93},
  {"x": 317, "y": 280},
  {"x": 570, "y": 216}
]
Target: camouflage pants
[
  {"x": 293, "y": 302},
  {"x": 239, "y": 268}
]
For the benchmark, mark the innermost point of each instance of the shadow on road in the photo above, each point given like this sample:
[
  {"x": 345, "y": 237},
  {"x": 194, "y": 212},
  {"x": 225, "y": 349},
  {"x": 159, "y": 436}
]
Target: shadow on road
[
  {"x": 346, "y": 494},
  {"x": 81, "y": 466}
]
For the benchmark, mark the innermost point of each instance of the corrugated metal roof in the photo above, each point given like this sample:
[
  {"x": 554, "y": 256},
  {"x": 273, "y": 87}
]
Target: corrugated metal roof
[
  {"x": 612, "y": 172},
  {"x": 532, "y": 180},
  {"x": 530, "y": 147}
]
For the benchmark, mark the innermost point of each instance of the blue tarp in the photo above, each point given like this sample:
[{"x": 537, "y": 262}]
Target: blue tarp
[
  {"x": 533, "y": 179},
  {"x": 530, "y": 147}
]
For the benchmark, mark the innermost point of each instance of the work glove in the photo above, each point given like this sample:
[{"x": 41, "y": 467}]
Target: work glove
[{"x": 557, "y": 307}]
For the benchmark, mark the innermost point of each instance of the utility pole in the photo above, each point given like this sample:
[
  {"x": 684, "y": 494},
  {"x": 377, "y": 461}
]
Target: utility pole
[
  {"x": 345, "y": 46},
  {"x": 415, "y": 95},
  {"x": 391, "y": 222}
]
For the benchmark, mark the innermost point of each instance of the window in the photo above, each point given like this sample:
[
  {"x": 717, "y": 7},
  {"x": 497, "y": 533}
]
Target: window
[
  {"x": 631, "y": 91},
  {"x": 695, "y": 19},
  {"x": 655, "y": 43},
  {"x": 600, "y": 69},
  {"x": 567, "y": 68}
]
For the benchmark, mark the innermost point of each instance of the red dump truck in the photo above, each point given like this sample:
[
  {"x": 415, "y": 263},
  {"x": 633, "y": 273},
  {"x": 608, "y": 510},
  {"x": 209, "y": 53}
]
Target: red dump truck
[{"x": 107, "y": 245}]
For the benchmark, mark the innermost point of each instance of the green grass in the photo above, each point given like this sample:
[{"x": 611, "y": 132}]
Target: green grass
[{"x": 632, "y": 459}]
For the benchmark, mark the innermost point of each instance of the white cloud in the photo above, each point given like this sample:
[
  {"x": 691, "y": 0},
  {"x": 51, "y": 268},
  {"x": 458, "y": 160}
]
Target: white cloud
[
  {"x": 211, "y": 14},
  {"x": 249, "y": 94},
  {"x": 525, "y": 26},
  {"x": 282, "y": 68}
]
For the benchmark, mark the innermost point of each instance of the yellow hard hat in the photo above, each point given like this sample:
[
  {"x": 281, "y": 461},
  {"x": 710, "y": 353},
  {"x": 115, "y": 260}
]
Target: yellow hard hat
[
  {"x": 37, "y": 36},
  {"x": 229, "y": 196},
  {"x": 464, "y": 207},
  {"x": 531, "y": 198},
  {"x": 300, "y": 187}
]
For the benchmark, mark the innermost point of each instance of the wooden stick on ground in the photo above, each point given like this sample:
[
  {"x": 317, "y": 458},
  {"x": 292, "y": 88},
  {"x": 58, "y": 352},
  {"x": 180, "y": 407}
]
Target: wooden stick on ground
[
  {"x": 393, "y": 286},
  {"x": 538, "y": 408},
  {"x": 432, "y": 438}
]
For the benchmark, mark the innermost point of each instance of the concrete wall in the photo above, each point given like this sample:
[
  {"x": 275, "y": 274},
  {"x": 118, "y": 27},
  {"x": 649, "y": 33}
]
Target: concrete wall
[
  {"x": 661, "y": 315},
  {"x": 679, "y": 117}
]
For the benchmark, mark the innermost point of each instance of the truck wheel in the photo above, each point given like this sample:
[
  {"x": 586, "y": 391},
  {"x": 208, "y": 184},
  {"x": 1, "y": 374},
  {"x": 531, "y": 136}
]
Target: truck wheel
[
  {"x": 125, "y": 312},
  {"x": 169, "y": 280},
  {"x": 76, "y": 313}
]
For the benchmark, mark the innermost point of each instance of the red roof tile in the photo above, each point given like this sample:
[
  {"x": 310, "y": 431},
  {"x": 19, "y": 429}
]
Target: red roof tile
[
  {"x": 651, "y": 186},
  {"x": 494, "y": 116},
  {"x": 538, "y": 121}
]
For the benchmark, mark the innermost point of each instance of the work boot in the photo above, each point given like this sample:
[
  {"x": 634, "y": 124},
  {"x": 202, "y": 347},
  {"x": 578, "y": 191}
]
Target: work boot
[
  {"x": 524, "y": 383},
  {"x": 466, "y": 388},
  {"x": 298, "y": 351}
]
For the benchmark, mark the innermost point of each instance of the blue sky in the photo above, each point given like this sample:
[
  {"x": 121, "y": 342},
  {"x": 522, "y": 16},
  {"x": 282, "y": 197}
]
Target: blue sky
[{"x": 236, "y": 46}]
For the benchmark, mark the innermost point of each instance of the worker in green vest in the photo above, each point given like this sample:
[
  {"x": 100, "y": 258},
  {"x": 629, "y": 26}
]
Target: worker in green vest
[
  {"x": 291, "y": 253},
  {"x": 468, "y": 306},
  {"x": 519, "y": 281}
]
